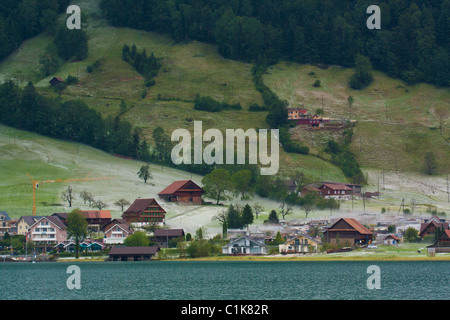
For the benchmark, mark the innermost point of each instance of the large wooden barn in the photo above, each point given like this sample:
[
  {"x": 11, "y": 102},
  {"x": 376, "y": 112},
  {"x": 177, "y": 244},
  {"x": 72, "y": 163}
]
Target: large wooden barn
[
  {"x": 143, "y": 211},
  {"x": 348, "y": 231},
  {"x": 184, "y": 191}
]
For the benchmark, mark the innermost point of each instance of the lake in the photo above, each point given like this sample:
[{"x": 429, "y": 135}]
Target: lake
[{"x": 249, "y": 280}]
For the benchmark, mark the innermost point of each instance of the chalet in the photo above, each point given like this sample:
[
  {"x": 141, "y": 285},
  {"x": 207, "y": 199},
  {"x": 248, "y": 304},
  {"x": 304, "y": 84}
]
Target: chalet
[
  {"x": 442, "y": 244},
  {"x": 116, "y": 231},
  {"x": 244, "y": 246},
  {"x": 336, "y": 191},
  {"x": 47, "y": 231},
  {"x": 300, "y": 244},
  {"x": 56, "y": 81},
  {"x": 5, "y": 223},
  {"x": 429, "y": 226},
  {"x": 348, "y": 231},
  {"x": 310, "y": 189},
  {"x": 163, "y": 236},
  {"x": 297, "y": 113},
  {"x": 185, "y": 191},
  {"x": 96, "y": 218},
  {"x": 25, "y": 222},
  {"x": 132, "y": 253},
  {"x": 356, "y": 188},
  {"x": 144, "y": 211}
]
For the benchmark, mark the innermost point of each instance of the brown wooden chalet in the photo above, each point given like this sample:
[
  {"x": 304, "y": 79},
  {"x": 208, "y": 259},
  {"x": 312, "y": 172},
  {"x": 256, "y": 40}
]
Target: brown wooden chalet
[
  {"x": 429, "y": 226},
  {"x": 55, "y": 81},
  {"x": 337, "y": 191},
  {"x": 442, "y": 244},
  {"x": 184, "y": 191},
  {"x": 144, "y": 211},
  {"x": 348, "y": 231}
]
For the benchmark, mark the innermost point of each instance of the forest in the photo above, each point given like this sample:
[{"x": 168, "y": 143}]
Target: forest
[{"x": 412, "y": 45}]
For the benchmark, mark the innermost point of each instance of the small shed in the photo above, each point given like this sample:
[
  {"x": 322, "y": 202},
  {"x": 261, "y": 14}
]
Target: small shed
[
  {"x": 132, "y": 253},
  {"x": 55, "y": 81},
  {"x": 391, "y": 240}
]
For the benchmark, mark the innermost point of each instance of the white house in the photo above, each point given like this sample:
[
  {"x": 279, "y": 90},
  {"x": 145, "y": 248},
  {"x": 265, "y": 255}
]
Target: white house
[{"x": 244, "y": 246}]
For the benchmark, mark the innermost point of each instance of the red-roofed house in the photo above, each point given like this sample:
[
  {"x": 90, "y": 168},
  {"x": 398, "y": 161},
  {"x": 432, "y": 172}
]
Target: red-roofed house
[
  {"x": 429, "y": 226},
  {"x": 185, "y": 191},
  {"x": 143, "y": 211},
  {"x": 348, "y": 231},
  {"x": 336, "y": 191}
]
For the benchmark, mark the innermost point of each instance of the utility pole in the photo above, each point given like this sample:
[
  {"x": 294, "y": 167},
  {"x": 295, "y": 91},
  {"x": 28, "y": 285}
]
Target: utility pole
[
  {"x": 402, "y": 206},
  {"x": 448, "y": 194}
]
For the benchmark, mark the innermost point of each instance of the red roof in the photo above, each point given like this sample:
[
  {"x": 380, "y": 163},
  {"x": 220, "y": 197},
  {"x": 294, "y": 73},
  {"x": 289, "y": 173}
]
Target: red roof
[
  {"x": 97, "y": 214},
  {"x": 355, "y": 224},
  {"x": 177, "y": 185},
  {"x": 337, "y": 186}
]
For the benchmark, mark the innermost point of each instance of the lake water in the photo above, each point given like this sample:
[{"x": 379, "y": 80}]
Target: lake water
[{"x": 179, "y": 280}]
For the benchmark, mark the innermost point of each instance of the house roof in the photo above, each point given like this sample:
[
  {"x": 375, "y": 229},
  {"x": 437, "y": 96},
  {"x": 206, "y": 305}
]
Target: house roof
[
  {"x": 393, "y": 237},
  {"x": 53, "y": 219},
  {"x": 175, "y": 186},
  {"x": 133, "y": 250},
  {"x": 3, "y": 213},
  {"x": 253, "y": 242},
  {"x": 30, "y": 220},
  {"x": 121, "y": 223},
  {"x": 169, "y": 232},
  {"x": 97, "y": 214},
  {"x": 140, "y": 205},
  {"x": 355, "y": 224}
]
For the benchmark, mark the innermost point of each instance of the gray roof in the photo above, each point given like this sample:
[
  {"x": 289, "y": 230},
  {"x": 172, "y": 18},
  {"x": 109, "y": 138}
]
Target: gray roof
[{"x": 3, "y": 213}]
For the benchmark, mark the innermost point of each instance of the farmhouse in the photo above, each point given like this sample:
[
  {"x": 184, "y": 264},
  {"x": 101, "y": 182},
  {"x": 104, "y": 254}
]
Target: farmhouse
[
  {"x": 299, "y": 244},
  {"x": 429, "y": 226},
  {"x": 348, "y": 231},
  {"x": 96, "y": 218},
  {"x": 336, "y": 191},
  {"x": 297, "y": 113},
  {"x": 144, "y": 211},
  {"x": 442, "y": 244},
  {"x": 132, "y": 253},
  {"x": 184, "y": 191},
  {"x": 163, "y": 236},
  {"x": 244, "y": 246}
]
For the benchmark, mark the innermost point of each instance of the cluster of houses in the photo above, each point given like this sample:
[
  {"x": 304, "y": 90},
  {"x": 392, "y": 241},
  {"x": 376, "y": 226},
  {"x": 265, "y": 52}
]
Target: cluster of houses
[
  {"x": 301, "y": 117},
  {"x": 49, "y": 233}
]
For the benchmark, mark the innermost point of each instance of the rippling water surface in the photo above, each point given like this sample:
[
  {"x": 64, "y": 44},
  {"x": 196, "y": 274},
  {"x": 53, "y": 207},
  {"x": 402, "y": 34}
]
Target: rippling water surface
[{"x": 156, "y": 280}]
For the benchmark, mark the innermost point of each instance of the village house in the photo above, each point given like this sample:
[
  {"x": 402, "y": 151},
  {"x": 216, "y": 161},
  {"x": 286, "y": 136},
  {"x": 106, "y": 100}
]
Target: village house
[
  {"x": 132, "y": 253},
  {"x": 47, "y": 231},
  {"x": 116, "y": 231},
  {"x": 244, "y": 246},
  {"x": 94, "y": 218},
  {"x": 144, "y": 211},
  {"x": 336, "y": 191},
  {"x": 163, "y": 236},
  {"x": 183, "y": 192},
  {"x": 348, "y": 232},
  {"x": 5, "y": 223},
  {"x": 24, "y": 223},
  {"x": 429, "y": 226},
  {"x": 297, "y": 113},
  {"x": 300, "y": 244},
  {"x": 442, "y": 244}
]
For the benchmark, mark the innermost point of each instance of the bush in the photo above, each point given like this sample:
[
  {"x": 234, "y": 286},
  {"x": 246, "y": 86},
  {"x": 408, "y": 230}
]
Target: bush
[{"x": 316, "y": 84}]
